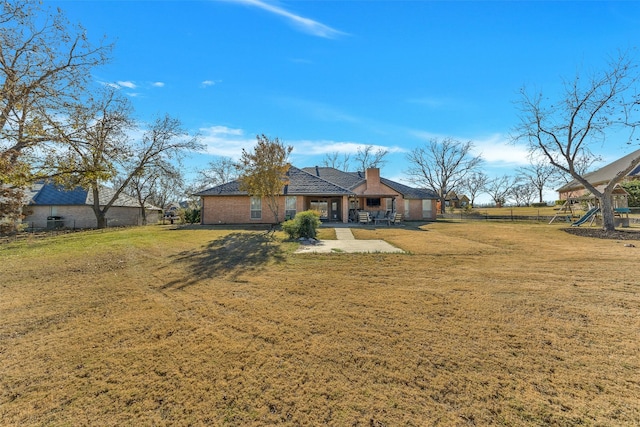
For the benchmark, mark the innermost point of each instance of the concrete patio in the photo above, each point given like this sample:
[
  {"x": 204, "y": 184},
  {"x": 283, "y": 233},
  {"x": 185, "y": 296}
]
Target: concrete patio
[{"x": 345, "y": 242}]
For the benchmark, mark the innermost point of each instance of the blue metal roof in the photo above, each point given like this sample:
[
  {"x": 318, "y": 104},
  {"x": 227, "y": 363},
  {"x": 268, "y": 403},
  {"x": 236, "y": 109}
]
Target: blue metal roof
[
  {"x": 57, "y": 195},
  {"x": 51, "y": 194}
]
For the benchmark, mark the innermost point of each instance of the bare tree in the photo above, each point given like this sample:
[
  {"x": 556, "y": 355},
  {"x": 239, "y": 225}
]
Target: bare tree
[
  {"x": 586, "y": 113},
  {"x": 369, "y": 157},
  {"x": 442, "y": 165},
  {"x": 263, "y": 172},
  {"x": 500, "y": 188},
  {"x": 153, "y": 185},
  {"x": 337, "y": 161},
  {"x": 218, "y": 171},
  {"x": 168, "y": 189},
  {"x": 539, "y": 174},
  {"x": 523, "y": 193},
  {"x": 45, "y": 63},
  {"x": 474, "y": 184}
]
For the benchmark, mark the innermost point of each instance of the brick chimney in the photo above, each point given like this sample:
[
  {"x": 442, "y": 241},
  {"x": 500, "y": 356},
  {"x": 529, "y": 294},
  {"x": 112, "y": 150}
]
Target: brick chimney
[{"x": 372, "y": 175}]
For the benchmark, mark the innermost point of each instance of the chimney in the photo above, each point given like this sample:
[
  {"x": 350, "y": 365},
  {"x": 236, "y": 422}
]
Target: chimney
[{"x": 372, "y": 175}]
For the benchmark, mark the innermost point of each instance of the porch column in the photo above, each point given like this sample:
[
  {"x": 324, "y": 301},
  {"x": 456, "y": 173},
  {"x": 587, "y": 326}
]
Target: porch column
[{"x": 345, "y": 209}]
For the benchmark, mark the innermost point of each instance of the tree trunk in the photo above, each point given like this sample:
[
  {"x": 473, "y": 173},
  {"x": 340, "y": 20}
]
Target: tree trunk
[
  {"x": 143, "y": 215},
  {"x": 443, "y": 208},
  {"x": 606, "y": 207},
  {"x": 101, "y": 220},
  {"x": 272, "y": 202}
]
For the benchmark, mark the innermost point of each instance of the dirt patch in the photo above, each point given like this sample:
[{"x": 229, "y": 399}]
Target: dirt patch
[{"x": 599, "y": 233}]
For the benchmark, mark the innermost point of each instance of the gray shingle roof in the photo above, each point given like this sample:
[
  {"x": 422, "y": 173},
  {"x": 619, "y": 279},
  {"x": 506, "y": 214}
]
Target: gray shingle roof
[
  {"x": 606, "y": 173},
  {"x": 409, "y": 192},
  {"x": 300, "y": 183},
  {"x": 322, "y": 181},
  {"x": 348, "y": 180}
]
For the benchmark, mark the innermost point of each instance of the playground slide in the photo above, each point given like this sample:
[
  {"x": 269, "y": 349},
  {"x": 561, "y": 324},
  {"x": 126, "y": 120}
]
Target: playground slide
[{"x": 586, "y": 217}]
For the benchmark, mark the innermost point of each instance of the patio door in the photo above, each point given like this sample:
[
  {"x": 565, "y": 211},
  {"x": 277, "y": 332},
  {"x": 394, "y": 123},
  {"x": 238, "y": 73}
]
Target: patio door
[
  {"x": 321, "y": 206},
  {"x": 335, "y": 210}
]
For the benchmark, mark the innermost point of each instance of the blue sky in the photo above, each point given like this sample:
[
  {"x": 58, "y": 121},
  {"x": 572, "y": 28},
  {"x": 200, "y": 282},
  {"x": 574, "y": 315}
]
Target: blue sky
[{"x": 327, "y": 76}]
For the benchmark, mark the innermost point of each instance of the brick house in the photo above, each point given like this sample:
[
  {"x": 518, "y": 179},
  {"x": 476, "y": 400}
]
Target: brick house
[
  {"x": 574, "y": 190},
  {"x": 337, "y": 195},
  {"x": 52, "y": 206}
]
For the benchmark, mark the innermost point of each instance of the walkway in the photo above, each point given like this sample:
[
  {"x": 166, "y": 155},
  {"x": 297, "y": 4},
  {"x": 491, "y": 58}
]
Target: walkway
[{"x": 345, "y": 242}]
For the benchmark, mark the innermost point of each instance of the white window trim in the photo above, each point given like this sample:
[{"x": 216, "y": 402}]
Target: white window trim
[{"x": 251, "y": 210}]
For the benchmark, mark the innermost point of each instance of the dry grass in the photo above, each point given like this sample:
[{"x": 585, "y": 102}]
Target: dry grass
[{"x": 482, "y": 324}]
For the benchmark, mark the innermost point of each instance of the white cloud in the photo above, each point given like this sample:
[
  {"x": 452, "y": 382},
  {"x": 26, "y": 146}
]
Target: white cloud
[
  {"x": 306, "y": 25},
  {"x": 207, "y": 83},
  {"x": 321, "y": 147},
  {"x": 496, "y": 150},
  {"x": 127, "y": 84},
  {"x": 499, "y": 151},
  {"x": 157, "y": 84},
  {"x": 225, "y": 141}
]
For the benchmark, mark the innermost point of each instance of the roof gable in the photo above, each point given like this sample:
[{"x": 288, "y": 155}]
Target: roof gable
[{"x": 606, "y": 173}]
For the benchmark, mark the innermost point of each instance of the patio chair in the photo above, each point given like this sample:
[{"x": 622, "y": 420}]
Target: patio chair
[
  {"x": 396, "y": 218},
  {"x": 363, "y": 217}
]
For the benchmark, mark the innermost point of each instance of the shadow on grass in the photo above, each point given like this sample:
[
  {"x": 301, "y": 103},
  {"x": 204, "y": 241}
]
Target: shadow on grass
[{"x": 232, "y": 254}]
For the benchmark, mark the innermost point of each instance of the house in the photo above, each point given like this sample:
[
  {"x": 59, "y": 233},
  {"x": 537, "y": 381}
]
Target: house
[
  {"x": 453, "y": 199},
  {"x": 337, "y": 195},
  {"x": 574, "y": 190},
  {"x": 52, "y": 206}
]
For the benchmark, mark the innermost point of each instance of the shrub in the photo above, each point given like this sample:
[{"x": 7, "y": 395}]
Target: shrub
[
  {"x": 304, "y": 224},
  {"x": 190, "y": 216},
  {"x": 539, "y": 205},
  {"x": 290, "y": 227},
  {"x": 633, "y": 188}
]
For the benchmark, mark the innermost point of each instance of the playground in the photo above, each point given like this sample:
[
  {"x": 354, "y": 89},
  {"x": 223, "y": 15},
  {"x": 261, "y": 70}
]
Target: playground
[{"x": 586, "y": 208}]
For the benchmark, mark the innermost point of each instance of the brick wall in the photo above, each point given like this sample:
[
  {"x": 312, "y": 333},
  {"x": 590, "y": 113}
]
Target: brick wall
[{"x": 237, "y": 210}]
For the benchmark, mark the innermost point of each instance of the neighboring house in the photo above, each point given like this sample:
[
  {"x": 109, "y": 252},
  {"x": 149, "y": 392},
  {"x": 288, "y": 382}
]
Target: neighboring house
[
  {"x": 52, "y": 206},
  {"x": 337, "y": 195},
  {"x": 452, "y": 199},
  {"x": 600, "y": 178}
]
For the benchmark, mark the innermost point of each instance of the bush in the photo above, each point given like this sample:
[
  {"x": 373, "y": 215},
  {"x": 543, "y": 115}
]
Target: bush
[
  {"x": 190, "y": 216},
  {"x": 305, "y": 224},
  {"x": 539, "y": 205},
  {"x": 633, "y": 188}
]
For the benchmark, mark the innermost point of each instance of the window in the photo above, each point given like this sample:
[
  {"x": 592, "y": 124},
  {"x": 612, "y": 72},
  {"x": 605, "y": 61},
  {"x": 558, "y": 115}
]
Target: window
[
  {"x": 373, "y": 202},
  {"x": 426, "y": 209},
  {"x": 388, "y": 202},
  {"x": 290, "y": 207},
  {"x": 256, "y": 208}
]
